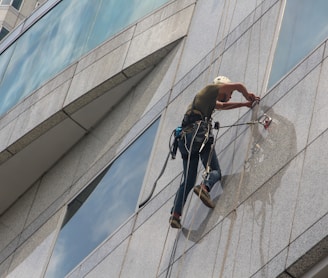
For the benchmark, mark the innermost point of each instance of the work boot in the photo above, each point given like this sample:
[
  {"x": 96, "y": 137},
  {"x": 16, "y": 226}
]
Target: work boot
[
  {"x": 204, "y": 196},
  {"x": 175, "y": 222}
]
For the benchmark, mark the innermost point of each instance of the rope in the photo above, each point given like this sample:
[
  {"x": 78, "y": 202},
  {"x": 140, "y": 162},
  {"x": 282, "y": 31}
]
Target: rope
[
  {"x": 169, "y": 269},
  {"x": 155, "y": 183},
  {"x": 213, "y": 53},
  {"x": 207, "y": 168}
]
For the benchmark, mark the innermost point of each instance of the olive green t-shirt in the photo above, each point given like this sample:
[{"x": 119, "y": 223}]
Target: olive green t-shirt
[{"x": 205, "y": 100}]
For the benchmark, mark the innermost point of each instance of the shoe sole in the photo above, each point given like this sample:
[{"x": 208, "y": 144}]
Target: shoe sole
[
  {"x": 175, "y": 224},
  {"x": 206, "y": 201}
]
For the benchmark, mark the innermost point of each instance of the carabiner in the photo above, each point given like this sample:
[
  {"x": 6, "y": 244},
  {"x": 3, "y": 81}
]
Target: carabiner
[{"x": 265, "y": 120}]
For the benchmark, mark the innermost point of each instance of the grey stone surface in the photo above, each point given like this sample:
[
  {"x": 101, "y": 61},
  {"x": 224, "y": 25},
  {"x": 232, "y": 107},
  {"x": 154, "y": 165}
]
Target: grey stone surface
[
  {"x": 326, "y": 51},
  {"x": 52, "y": 86},
  {"x": 308, "y": 249},
  {"x": 163, "y": 13},
  {"x": 200, "y": 260},
  {"x": 312, "y": 200},
  {"x": 40, "y": 117},
  {"x": 30, "y": 258},
  {"x": 168, "y": 30},
  {"x": 4, "y": 266},
  {"x": 5, "y": 134},
  {"x": 318, "y": 125},
  {"x": 106, "y": 48},
  {"x": 273, "y": 189},
  {"x": 13, "y": 221},
  {"x": 274, "y": 267},
  {"x": 110, "y": 265},
  {"x": 152, "y": 244},
  {"x": 110, "y": 65}
]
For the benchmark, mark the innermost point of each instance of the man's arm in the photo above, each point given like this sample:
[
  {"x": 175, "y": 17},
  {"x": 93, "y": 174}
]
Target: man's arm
[
  {"x": 232, "y": 105},
  {"x": 240, "y": 87}
]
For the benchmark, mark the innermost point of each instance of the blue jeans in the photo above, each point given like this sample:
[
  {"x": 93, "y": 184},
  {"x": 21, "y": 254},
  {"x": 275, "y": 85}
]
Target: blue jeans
[{"x": 190, "y": 175}]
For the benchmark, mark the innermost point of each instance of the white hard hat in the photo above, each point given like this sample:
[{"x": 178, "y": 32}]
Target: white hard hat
[{"x": 221, "y": 80}]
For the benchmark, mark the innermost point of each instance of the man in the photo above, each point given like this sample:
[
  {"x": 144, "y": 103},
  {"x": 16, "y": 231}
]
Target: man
[{"x": 214, "y": 96}]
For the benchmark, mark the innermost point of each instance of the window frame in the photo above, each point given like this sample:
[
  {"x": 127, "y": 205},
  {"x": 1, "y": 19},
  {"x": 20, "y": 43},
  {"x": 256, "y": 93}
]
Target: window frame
[{"x": 65, "y": 218}]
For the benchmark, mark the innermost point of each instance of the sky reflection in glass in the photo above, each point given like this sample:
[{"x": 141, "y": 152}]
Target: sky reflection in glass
[
  {"x": 304, "y": 26},
  {"x": 68, "y": 31},
  {"x": 106, "y": 203}
]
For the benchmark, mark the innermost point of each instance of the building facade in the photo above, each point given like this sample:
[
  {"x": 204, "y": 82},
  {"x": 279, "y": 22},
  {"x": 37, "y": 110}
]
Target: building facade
[
  {"x": 90, "y": 94},
  {"x": 13, "y": 12}
]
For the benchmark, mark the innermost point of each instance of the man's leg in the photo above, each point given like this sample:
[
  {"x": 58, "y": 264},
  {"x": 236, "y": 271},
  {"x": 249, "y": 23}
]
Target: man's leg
[
  {"x": 214, "y": 175},
  {"x": 188, "y": 183}
]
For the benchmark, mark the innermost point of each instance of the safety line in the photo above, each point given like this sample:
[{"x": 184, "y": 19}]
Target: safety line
[{"x": 209, "y": 70}]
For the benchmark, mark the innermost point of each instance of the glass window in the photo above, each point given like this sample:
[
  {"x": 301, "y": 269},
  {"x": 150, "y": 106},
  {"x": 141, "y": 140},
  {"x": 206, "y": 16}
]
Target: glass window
[
  {"x": 17, "y": 4},
  {"x": 102, "y": 207},
  {"x": 68, "y": 31},
  {"x": 3, "y": 33},
  {"x": 304, "y": 26}
]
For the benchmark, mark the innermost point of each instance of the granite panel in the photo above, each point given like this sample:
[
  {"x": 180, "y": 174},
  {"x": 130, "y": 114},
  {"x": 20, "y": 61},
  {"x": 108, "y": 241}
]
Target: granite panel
[
  {"x": 163, "y": 13},
  {"x": 106, "y": 48},
  {"x": 164, "y": 33},
  {"x": 256, "y": 231},
  {"x": 5, "y": 134},
  {"x": 261, "y": 51},
  {"x": 111, "y": 265},
  {"x": 31, "y": 257},
  {"x": 191, "y": 82},
  {"x": 200, "y": 259},
  {"x": 287, "y": 135},
  {"x": 320, "y": 110},
  {"x": 312, "y": 200},
  {"x": 149, "y": 61},
  {"x": 271, "y": 209},
  {"x": 158, "y": 200},
  {"x": 4, "y": 266},
  {"x": 8, "y": 251},
  {"x": 326, "y": 51},
  {"x": 97, "y": 73},
  {"x": 274, "y": 268},
  {"x": 309, "y": 248},
  {"x": 48, "y": 88},
  {"x": 93, "y": 112},
  {"x": 153, "y": 246},
  {"x": 44, "y": 112},
  {"x": 12, "y": 222},
  {"x": 239, "y": 49}
]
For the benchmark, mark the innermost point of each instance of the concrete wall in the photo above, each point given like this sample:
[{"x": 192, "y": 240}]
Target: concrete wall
[{"x": 270, "y": 218}]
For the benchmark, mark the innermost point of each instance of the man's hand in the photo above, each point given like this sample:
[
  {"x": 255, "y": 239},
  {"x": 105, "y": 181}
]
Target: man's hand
[{"x": 251, "y": 97}]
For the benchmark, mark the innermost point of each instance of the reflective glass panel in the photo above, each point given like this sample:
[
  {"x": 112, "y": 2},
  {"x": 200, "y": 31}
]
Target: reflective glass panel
[
  {"x": 304, "y": 26},
  {"x": 102, "y": 207},
  {"x": 3, "y": 33},
  {"x": 16, "y": 4},
  {"x": 59, "y": 38}
]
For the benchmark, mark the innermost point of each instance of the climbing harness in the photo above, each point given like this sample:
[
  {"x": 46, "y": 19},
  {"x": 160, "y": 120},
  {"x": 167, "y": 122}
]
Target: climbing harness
[{"x": 263, "y": 120}]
